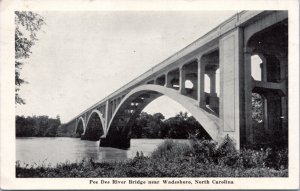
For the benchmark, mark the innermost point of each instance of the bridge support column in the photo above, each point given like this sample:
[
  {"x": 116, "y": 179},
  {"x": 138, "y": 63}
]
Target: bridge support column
[
  {"x": 230, "y": 91},
  {"x": 247, "y": 131},
  {"x": 284, "y": 100},
  {"x": 213, "y": 98},
  {"x": 200, "y": 88},
  {"x": 182, "y": 80},
  {"x": 212, "y": 76},
  {"x": 107, "y": 116},
  {"x": 112, "y": 107}
]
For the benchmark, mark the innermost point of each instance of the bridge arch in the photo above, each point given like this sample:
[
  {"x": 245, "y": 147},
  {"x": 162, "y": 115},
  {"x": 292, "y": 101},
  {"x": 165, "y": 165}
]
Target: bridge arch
[
  {"x": 95, "y": 111},
  {"x": 80, "y": 127},
  {"x": 95, "y": 126},
  {"x": 137, "y": 99}
]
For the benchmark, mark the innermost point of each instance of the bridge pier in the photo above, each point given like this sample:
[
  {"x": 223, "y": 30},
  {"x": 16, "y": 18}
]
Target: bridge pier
[
  {"x": 115, "y": 142},
  {"x": 83, "y": 137}
]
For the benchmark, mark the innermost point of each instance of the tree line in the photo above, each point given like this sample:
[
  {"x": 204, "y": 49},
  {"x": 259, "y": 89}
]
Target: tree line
[
  {"x": 37, "y": 126},
  {"x": 145, "y": 126}
]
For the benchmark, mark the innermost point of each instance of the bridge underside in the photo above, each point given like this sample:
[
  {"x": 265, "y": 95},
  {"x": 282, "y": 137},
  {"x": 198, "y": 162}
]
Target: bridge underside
[
  {"x": 267, "y": 93},
  {"x": 235, "y": 83}
]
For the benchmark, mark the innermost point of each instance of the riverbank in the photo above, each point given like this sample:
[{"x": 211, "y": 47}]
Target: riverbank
[{"x": 200, "y": 158}]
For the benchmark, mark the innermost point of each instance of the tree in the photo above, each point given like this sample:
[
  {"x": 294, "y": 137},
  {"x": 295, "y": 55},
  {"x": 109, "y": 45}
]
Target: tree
[
  {"x": 37, "y": 126},
  {"x": 158, "y": 117},
  {"x": 58, "y": 118},
  {"x": 147, "y": 126},
  {"x": 181, "y": 126},
  {"x": 27, "y": 25},
  {"x": 182, "y": 115}
]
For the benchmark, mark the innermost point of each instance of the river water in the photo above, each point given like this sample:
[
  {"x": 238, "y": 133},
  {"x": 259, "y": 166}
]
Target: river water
[{"x": 50, "y": 151}]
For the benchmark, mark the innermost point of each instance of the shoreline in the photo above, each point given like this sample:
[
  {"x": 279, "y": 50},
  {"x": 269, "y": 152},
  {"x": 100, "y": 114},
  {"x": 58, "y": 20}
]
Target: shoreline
[{"x": 200, "y": 158}]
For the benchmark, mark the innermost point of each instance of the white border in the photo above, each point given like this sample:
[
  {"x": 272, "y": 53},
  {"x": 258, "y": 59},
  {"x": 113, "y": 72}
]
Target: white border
[{"x": 7, "y": 102}]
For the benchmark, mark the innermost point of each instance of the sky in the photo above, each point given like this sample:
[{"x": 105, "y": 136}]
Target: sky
[{"x": 81, "y": 57}]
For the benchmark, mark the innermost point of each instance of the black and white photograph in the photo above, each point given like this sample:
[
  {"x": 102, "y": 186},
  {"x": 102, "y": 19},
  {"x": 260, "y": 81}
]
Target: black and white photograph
[{"x": 145, "y": 98}]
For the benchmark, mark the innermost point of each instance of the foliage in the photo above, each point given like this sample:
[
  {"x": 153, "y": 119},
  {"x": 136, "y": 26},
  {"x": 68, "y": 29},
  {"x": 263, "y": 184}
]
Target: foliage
[
  {"x": 36, "y": 126},
  {"x": 148, "y": 126},
  {"x": 66, "y": 130},
  {"x": 27, "y": 25},
  {"x": 155, "y": 126},
  {"x": 204, "y": 150},
  {"x": 227, "y": 153},
  {"x": 171, "y": 149}
]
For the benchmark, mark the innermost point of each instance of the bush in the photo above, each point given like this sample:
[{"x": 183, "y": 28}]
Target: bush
[
  {"x": 264, "y": 158},
  {"x": 204, "y": 150},
  {"x": 163, "y": 149},
  {"x": 277, "y": 159},
  {"x": 252, "y": 158},
  {"x": 227, "y": 153},
  {"x": 170, "y": 149}
]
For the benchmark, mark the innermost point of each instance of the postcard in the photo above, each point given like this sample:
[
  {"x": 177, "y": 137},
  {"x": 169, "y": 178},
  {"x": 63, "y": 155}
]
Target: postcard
[{"x": 149, "y": 94}]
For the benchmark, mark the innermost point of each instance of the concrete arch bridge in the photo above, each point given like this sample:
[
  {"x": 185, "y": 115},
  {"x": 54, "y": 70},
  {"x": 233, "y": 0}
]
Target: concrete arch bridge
[{"x": 229, "y": 48}]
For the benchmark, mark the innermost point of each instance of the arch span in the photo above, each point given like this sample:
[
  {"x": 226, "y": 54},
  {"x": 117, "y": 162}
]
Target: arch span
[
  {"x": 137, "y": 99},
  {"x": 80, "y": 120},
  {"x": 95, "y": 126},
  {"x": 100, "y": 116}
]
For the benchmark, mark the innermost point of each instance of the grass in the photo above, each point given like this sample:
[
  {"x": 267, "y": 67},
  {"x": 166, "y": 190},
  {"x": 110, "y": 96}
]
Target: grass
[{"x": 200, "y": 158}]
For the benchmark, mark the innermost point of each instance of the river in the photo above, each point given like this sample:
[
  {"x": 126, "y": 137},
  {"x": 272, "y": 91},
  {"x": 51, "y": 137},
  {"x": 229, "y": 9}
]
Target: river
[{"x": 50, "y": 151}]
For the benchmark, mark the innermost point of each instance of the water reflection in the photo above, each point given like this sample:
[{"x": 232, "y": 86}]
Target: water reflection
[{"x": 108, "y": 154}]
